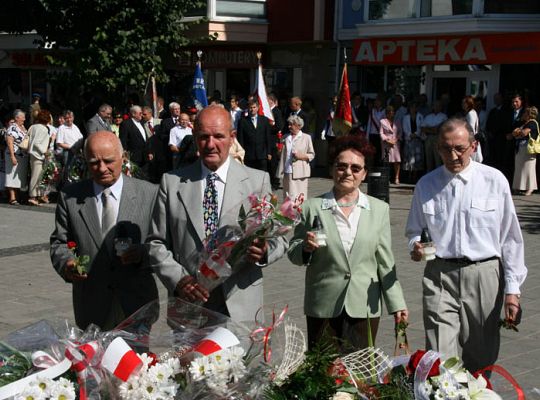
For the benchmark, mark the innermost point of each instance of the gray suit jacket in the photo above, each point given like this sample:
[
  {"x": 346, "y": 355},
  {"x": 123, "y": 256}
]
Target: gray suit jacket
[
  {"x": 96, "y": 124},
  {"x": 177, "y": 232},
  {"x": 77, "y": 220}
]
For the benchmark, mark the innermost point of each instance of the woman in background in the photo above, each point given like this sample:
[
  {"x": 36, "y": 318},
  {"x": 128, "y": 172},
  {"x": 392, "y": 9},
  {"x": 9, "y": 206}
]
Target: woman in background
[
  {"x": 525, "y": 172},
  {"x": 390, "y": 132}
]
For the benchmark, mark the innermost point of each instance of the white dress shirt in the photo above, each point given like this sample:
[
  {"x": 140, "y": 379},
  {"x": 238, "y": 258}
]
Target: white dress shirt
[
  {"x": 177, "y": 134},
  {"x": 220, "y": 183},
  {"x": 116, "y": 195},
  {"x": 140, "y": 128},
  {"x": 470, "y": 214},
  {"x": 68, "y": 134},
  {"x": 347, "y": 226}
]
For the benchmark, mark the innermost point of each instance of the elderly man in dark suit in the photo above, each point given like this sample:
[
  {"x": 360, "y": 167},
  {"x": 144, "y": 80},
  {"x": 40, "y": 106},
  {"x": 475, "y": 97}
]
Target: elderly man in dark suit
[
  {"x": 101, "y": 121},
  {"x": 255, "y": 136},
  {"x": 182, "y": 221},
  {"x": 98, "y": 214},
  {"x": 133, "y": 136}
]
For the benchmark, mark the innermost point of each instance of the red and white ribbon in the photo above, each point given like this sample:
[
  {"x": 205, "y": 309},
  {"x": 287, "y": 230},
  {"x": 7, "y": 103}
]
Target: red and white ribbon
[
  {"x": 81, "y": 357},
  {"x": 266, "y": 331},
  {"x": 120, "y": 360},
  {"x": 218, "y": 340}
]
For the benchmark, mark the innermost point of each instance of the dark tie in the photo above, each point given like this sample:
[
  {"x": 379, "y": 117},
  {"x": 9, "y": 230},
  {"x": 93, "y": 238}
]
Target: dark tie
[
  {"x": 210, "y": 205},
  {"x": 108, "y": 217}
]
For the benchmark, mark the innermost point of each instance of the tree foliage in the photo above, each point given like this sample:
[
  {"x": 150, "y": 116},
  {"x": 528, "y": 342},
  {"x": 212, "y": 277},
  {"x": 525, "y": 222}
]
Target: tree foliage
[{"x": 107, "y": 45}]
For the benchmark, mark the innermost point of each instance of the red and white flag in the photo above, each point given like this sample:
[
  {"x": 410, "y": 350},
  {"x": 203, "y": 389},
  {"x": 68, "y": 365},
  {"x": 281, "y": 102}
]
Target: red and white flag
[
  {"x": 120, "y": 359},
  {"x": 218, "y": 340},
  {"x": 343, "y": 116},
  {"x": 260, "y": 91}
]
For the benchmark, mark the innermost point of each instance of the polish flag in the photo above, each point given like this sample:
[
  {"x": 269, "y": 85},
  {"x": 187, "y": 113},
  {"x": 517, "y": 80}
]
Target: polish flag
[
  {"x": 264, "y": 107},
  {"x": 218, "y": 340},
  {"x": 120, "y": 359}
]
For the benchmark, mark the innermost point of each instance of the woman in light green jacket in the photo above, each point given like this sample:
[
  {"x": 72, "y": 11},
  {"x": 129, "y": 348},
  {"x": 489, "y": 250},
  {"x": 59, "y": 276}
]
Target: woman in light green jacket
[{"x": 347, "y": 277}]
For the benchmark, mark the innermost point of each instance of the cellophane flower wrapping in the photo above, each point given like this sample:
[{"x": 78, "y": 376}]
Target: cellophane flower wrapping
[
  {"x": 233, "y": 368},
  {"x": 51, "y": 174}
]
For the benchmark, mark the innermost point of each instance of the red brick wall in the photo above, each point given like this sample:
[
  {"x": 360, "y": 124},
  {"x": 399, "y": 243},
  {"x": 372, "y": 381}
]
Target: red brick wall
[{"x": 290, "y": 20}]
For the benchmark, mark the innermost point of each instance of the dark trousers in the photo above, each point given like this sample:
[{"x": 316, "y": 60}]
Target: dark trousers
[
  {"x": 375, "y": 141},
  {"x": 350, "y": 334},
  {"x": 257, "y": 164}
]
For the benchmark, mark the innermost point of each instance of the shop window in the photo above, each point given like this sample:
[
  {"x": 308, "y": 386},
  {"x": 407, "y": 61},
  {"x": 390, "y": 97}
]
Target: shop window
[
  {"x": 241, "y": 8},
  {"x": 512, "y": 7},
  {"x": 391, "y": 9},
  {"x": 442, "y": 8}
]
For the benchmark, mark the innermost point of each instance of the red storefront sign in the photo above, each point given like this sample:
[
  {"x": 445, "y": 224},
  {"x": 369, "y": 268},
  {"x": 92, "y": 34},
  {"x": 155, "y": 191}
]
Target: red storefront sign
[{"x": 507, "y": 48}]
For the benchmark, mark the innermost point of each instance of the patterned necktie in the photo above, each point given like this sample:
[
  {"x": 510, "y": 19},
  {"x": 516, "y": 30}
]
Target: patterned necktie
[
  {"x": 210, "y": 205},
  {"x": 108, "y": 217}
]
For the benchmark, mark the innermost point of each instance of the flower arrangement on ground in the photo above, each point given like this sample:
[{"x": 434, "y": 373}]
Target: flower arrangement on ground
[{"x": 52, "y": 171}]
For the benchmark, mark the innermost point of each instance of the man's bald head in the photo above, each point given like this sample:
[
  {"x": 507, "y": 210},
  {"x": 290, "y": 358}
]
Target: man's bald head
[{"x": 103, "y": 152}]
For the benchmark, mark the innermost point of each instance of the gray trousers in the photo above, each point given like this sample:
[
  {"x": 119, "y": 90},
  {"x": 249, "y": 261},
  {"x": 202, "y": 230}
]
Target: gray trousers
[{"x": 462, "y": 306}]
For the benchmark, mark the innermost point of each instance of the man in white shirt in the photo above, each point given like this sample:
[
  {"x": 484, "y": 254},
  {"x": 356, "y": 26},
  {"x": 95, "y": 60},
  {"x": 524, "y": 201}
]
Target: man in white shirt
[
  {"x": 430, "y": 128},
  {"x": 70, "y": 139},
  {"x": 176, "y": 137},
  {"x": 479, "y": 266}
]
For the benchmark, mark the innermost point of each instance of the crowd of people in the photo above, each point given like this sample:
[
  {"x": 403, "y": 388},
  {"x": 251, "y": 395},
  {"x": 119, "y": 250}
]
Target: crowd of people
[
  {"x": 406, "y": 135},
  {"x": 209, "y": 163}
]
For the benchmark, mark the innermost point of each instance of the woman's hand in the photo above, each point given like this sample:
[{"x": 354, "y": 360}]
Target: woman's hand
[
  {"x": 310, "y": 243},
  {"x": 401, "y": 316}
]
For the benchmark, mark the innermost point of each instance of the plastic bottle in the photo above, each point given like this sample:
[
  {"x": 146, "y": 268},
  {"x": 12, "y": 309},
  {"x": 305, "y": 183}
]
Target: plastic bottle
[
  {"x": 318, "y": 229},
  {"x": 427, "y": 244}
]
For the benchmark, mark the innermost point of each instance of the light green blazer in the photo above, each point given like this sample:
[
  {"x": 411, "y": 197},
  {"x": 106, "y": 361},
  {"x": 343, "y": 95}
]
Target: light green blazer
[{"x": 358, "y": 282}]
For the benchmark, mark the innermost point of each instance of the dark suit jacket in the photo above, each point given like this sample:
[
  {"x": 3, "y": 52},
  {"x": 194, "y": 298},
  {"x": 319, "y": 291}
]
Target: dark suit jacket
[
  {"x": 132, "y": 141},
  {"x": 278, "y": 120},
  {"x": 257, "y": 142},
  {"x": 77, "y": 220}
]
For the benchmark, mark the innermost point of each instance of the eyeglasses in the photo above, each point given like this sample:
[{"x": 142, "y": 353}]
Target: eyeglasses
[
  {"x": 355, "y": 168},
  {"x": 460, "y": 150}
]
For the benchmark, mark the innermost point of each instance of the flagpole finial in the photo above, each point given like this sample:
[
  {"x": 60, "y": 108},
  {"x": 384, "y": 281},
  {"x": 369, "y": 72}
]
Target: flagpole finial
[
  {"x": 199, "y": 54},
  {"x": 344, "y": 54},
  {"x": 259, "y": 56}
]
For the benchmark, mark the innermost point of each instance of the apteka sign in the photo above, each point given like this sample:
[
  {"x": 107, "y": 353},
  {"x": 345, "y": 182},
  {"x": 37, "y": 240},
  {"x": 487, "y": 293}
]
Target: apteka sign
[{"x": 508, "y": 48}]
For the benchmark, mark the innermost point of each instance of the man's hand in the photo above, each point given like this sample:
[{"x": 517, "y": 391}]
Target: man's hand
[
  {"x": 269, "y": 157},
  {"x": 189, "y": 289},
  {"x": 418, "y": 252},
  {"x": 257, "y": 250},
  {"x": 71, "y": 274},
  {"x": 401, "y": 315},
  {"x": 310, "y": 243},
  {"x": 133, "y": 255},
  {"x": 511, "y": 308}
]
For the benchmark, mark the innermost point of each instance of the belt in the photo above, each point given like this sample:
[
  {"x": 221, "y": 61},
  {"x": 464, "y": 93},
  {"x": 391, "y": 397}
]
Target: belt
[{"x": 465, "y": 260}]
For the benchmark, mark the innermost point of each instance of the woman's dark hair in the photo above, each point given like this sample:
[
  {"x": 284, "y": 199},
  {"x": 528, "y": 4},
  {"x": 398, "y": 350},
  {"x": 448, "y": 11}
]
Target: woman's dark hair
[
  {"x": 43, "y": 117},
  {"x": 469, "y": 101},
  {"x": 351, "y": 142}
]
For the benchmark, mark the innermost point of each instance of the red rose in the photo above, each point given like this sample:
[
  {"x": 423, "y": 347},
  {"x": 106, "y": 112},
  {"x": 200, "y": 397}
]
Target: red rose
[
  {"x": 154, "y": 358},
  {"x": 71, "y": 245},
  {"x": 415, "y": 359}
]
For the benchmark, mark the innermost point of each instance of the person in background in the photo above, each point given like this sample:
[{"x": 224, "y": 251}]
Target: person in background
[
  {"x": 69, "y": 139},
  {"x": 35, "y": 107},
  {"x": 176, "y": 138},
  {"x": 524, "y": 180},
  {"x": 430, "y": 127},
  {"x": 296, "y": 155},
  {"x": 349, "y": 276},
  {"x": 39, "y": 147},
  {"x": 16, "y": 159},
  {"x": 390, "y": 132},
  {"x": 254, "y": 135},
  {"x": 513, "y": 121},
  {"x": 295, "y": 108},
  {"x": 276, "y": 131},
  {"x": 116, "y": 122},
  {"x": 413, "y": 141},
  {"x": 376, "y": 114},
  {"x": 468, "y": 211},
  {"x": 235, "y": 110},
  {"x": 471, "y": 116},
  {"x": 101, "y": 121}
]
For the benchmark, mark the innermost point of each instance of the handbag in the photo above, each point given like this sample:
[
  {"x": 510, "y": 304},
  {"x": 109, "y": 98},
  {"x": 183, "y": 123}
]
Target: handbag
[
  {"x": 533, "y": 145},
  {"x": 25, "y": 143}
]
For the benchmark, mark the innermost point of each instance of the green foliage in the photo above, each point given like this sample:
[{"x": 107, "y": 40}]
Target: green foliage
[
  {"x": 311, "y": 381},
  {"x": 110, "y": 44},
  {"x": 13, "y": 364},
  {"x": 400, "y": 386}
]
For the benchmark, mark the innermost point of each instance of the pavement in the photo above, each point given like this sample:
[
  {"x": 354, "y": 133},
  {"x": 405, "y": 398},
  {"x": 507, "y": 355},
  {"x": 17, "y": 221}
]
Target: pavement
[{"x": 31, "y": 290}]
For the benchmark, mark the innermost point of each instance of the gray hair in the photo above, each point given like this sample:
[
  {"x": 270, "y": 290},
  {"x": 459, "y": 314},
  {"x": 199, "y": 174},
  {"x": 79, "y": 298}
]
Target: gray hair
[
  {"x": 134, "y": 109},
  {"x": 104, "y": 107},
  {"x": 296, "y": 120},
  {"x": 451, "y": 124},
  {"x": 147, "y": 108},
  {"x": 18, "y": 112},
  {"x": 173, "y": 104}
]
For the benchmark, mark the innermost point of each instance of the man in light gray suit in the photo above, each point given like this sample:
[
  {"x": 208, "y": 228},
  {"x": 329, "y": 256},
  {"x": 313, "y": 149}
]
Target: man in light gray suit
[
  {"x": 180, "y": 224},
  {"x": 97, "y": 214},
  {"x": 100, "y": 121}
]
